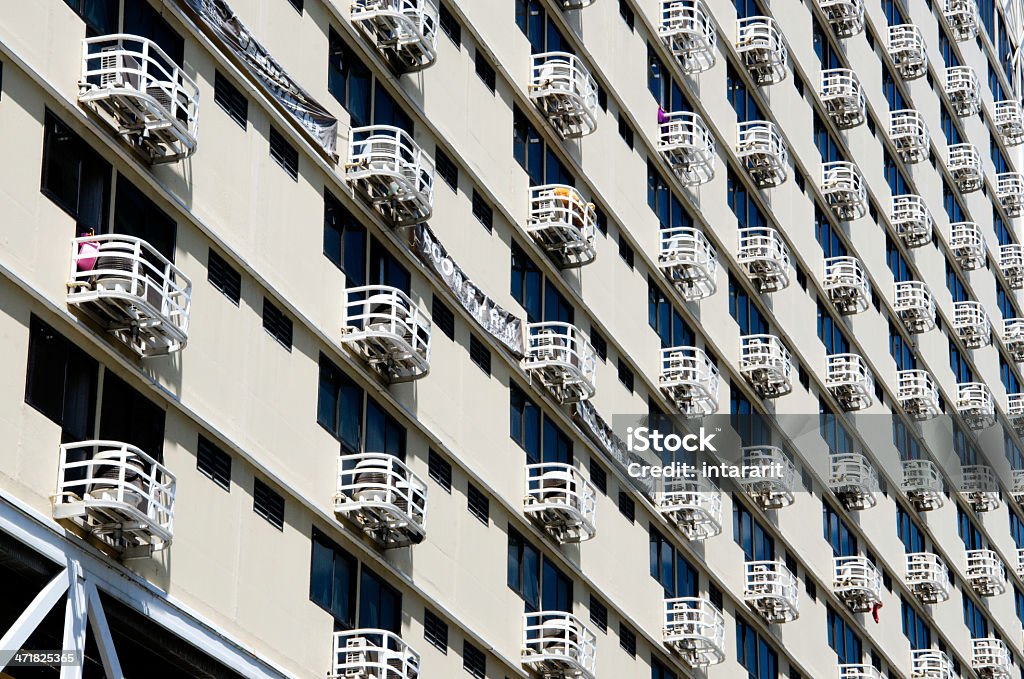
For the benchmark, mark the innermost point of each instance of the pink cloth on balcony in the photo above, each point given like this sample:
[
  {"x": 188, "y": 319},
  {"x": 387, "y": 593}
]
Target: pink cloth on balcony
[{"x": 87, "y": 253}]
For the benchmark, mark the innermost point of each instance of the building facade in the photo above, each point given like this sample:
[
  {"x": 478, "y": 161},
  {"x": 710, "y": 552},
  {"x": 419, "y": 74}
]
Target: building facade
[{"x": 320, "y": 321}]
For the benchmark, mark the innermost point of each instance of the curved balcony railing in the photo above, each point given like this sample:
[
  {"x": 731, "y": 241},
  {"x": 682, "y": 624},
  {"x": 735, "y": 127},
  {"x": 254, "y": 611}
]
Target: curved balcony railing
[
  {"x": 853, "y": 480},
  {"x": 688, "y": 147},
  {"x": 974, "y": 403},
  {"x": 776, "y": 486},
  {"x": 922, "y": 483},
  {"x": 1013, "y": 337},
  {"x": 767, "y": 365},
  {"x": 373, "y": 653},
  {"x": 558, "y": 644},
  {"x": 561, "y": 357},
  {"x": 379, "y": 493},
  {"x": 764, "y": 256},
  {"x": 907, "y": 51},
  {"x": 968, "y": 245},
  {"x": 561, "y": 501},
  {"x": 404, "y": 31},
  {"x": 912, "y": 220},
  {"x": 962, "y": 17},
  {"x": 688, "y": 30},
  {"x": 760, "y": 146},
  {"x": 844, "y": 190},
  {"x": 979, "y": 485},
  {"x": 990, "y": 658},
  {"x": 964, "y": 163},
  {"x": 760, "y": 44},
  {"x": 694, "y": 505},
  {"x": 857, "y": 582},
  {"x": 850, "y": 381},
  {"x": 845, "y": 16},
  {"x": 139, "y": 295},
  {"x": 772, "y": 590},
  {"x": 842, "y": 96},
  {"x": 388, "y": 330},
  {"x": 970, "y": 320},
  {"x": 1009, "y": 121},
  {"x": 963, "y": 90},
  {"x": 690, "y": 380},
  {"x": 392, "y": 172},
  {"x": 1015, "y": 414},
  {"x": 931, "y": 664},
  {"x": 563, "y": 224},
  {"x": 695, "y": 630},
  {"x": 116, "y": 493},
  {"x": 1010, "y": 192},
  {"x": 847, "y": 285},
  {"x": 565, "y": 92},
  {"x": 917, "y": 394},
  {"x": 1011, "y": 263},
  {"x": 689, "y": 260},
  {"x": 985, "y": 572},
  {"x": 909, "y": 132}
]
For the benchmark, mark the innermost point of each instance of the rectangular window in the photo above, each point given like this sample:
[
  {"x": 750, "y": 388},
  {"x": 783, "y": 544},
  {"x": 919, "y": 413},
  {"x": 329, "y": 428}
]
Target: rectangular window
[
  {"x": 349, "y": 80},
  {"x": 75, "y": 177},
  {"x": 231, "y": 99},
  {"x": 213, "y": 463},
  {"x": 435, "y": 631},
  {"x": 380, "y": 604},
  {"x": 340, "y": 406},
  {"x": 221, "y": 276},
  {"x": 344, "y": 241},
  {"x": 523, "y": 569},
  {"x": 843, "y": 639},
  {"x": 297, "y": 4},
  {"x": 524, "y": 422},
  {"x": 479, "y": 354},
  {"x": 277, "y": 324},
  {"x": 599, "y": 343},
  {"x": 135, "y": 214},
  {"x": 440, "y": 470},
  {"x": 627, "y": 640},
  {"x": 598, "y": 614},
  {"x": 99, "y": 15},
  {"x": 627, "y": 507},
  {"x": 837, "y": 533},
  {"x": 484, "y": 70},
  {"x": 625, "y": 131},
  {"x": 915, "y": 628},
  {"x": 754, "y": 653},
  {"x": 449, "y": 24},
  {"x": 526, "y": 284},
  {"x": 332, "y": 580},
  {"x": 473, "y": 660},
  {"x": 626, "y": 252},
  {"x": 598, "y": 476},
  {"x": 478, "y": 504},
  {"x": 625, "y": 375},
  {"x": 384, "y": 434},
  {"x": 61, "y": 381},
  {"x": 483, "y": 212},
  {"x": 757, "y": 544},
  {"x": 442, "y": 317},
  {"x": 268, "y": 504},
  {"x": 669, "y": 567},
  {"x": 128, "y": 416},
  {"x": 446, "y": 169},
  {"x": 659, "y": 671},
  {"x": 627, "y": 14},
  {"x": 284, "y": 154}
]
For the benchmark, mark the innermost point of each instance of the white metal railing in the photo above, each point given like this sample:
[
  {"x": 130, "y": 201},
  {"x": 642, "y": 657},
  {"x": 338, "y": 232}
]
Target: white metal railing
[
  {"x": 390, "y": 331},
  {"x": 1009, "y": 121},
  {"x": 561, "y": 500},
  {"x": 771, "y": 590},
  {"x": 694, "y": 505},
  {"x": 763, "y": 151},
  {"x": 1011, "y": 263},
  {"x": 760, "y": 43},
  {"x": 915, "y": 305},
  {"x": 985, "y": 572},
  {"x": 928, "y": 577},
  {"x": 563, "y": 223},
  {"x": 403, "y": 30},
  {"x": 842, "y": 95},
  {"x": 392, "y": 172},
  {"x": 1020, "y": 563},
  {"x": 134, "y": 290},
  {"x": 991, "y": 659},
  {"x": 917, "y": 393},
  {"x": 1013, "y": 337},
  {"x": 562, "y": 358},
  {"x": 845, "y": 16},
  {"x": 907, "y": 51},
  {"x": 912, "y": 220},
  {"x": 383, "y": 496},
  {"x": 776, "y": 486},
  {"x": 576, "y": 4},
  {"x": 558, "y": 644},
  {"x": 853, "y": 480},
  {"x": 857, "y": 582},
  {"x": 858, "y": 671},
  {"x": 688, "y": 30},
  {"x": 962, "y": 17},
  {"x": 695, "y": 630},
  {"x": 909, "y": 132},
  {"x": 1010, "y": 192},
  {"x": 970, "y": 320},
  {"x": 844, "y": 190},
  {"x": 931, "y": 664},
  {"x": 1018, "y": 487},
  {"x": 565, "y": 92},
  {"x": 968, "y": 245},
  {"x": 117, "y": 493},
  {"x": 979, "y": 485},
  {"x": 373, "y": 653},
  {"x": 688, "y": 259},
  {"x": 847, "y": 284},
  {"x": 1015, "y": 413},
  {"x": 922, "y": 484},
  {"x": 964, "y": 162},
  {"x": 963, "y": 90},
  {"x": 767, "y": 365},
  {"x": 688, "y": 146},
  {"x": 689, "y": 379},
  {"x": 974, "y": 403},
  {"x": 850, "y": 381},
  {"x": 764, "y": 256},
  {"x": 142, "y": 93}
]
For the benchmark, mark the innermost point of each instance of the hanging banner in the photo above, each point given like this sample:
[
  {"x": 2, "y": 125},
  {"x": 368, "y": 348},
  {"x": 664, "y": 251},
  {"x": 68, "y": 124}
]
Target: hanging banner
[
  {"x": 505, "y": 327},
  {"x": 602, "y": 434},
  {"x": 230, "y": 31}
]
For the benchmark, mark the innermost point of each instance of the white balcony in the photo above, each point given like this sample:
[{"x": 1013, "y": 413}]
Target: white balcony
[
  {"x": 563, "y": 224},
  {"x": 847, "y": 285},
  {"x": 928, "y": 577},
  {"x": 404, "y": 31},
  {"x": 760, "y": 44},
  {"x": 1011, "y": 263},
  {"x": 917, "y": 394},
  {"x": 962, "y": 17},
  {"x": 132, "y": 290},
  {"x": 564, "y": 91},
  {"x": 912, "y": 220},
  {"x": 971, "y": 323},
  {"x": 376, "y": 653},
  {"x": 695, "y": 631},
  {"x": 388, "y": 330},
  {"x": 857, "y": 582},
  {"x": 558, "y": 645},
  {"x": 694, "y": 505},
  {"x": 858, "y": 671},
  {"x": 931, "y": 664},
  {"x": 772, "y": 591},
  {"x": 688, "y": 147},
  {"x": 963, "y": 90},
  {"x": 985, "y": 572},
  {"x": 844, "y": 190},
  {"x": 922, "y": 484},
  {"x": 914, "y": 304},
  {"x": 381, "y": 495},
  {"x": 845, "y": 16},
  {"x": 853, "y": 480},
  {"x": 766, "y": 363},
  {"x": 907, "y": 51},
  {"x": 690, "y": 380},
  {"x": 968, "y": 245},
  {"x": 688, "y": 30},
  {"x": 850, "y": 381},
  {"x": 964, "y": 162},
  {"x": 1010, "y": 192},
  {"x": 392, "y": 172},
  {"x": 980, "y": 487},
  {"x": 974, "y": 403},
  {"x": 842, "y": 96},
  {"x": 909, "y": 132},
  {"x": 561, "y": 501},
  {"x": 576, "y": 4},
  {"x": 561, "y": 358},
  {"x": 688, "y": 259},
  {"x": 1013, "y": 337},
  {"x": 764, "y": 256},
  {"x": 1015, "y": 414},
  {"x": 136, "y": 89},
  {"x": 990, "y": 659},
  {"x": 760, "y": 146},
  {"x": 1020, "y": 563},
  {"x": 1009, "y": 121},
  {"x": 776, "y": 487}
]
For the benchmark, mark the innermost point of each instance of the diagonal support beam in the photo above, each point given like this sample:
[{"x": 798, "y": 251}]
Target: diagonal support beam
[
  {"x": 29, "y": 620},
  {"x": 74, "y": 621},
  {"x": 101, "y": 630}
]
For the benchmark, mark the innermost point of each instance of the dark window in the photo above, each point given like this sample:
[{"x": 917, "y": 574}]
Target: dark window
[
  {"x": 599, "y": 343},
  {"x": 61, "y": 381},
  {"x": 332, "y": 580},
  {"x": 286, "y": 155},
  {"x": 526, "y": 283},
  {"x": 387, "y": 111},
  {"x": 221, "y": 276},
  {"x": 75, "y": 177},
  {"x": 478, "y": 504},
  {"x": 625, "y": 375},
  {"x": 626, "y": 506},
  {"x": 383, "y": 432},
  {"x": 141, "y": 19},
  {"x": 277, "y": 324},
  {"x": 268, "y": 504},
  {"x": 627, "y": 639},
  {"x": 524, "y": 422},
  {"x": 442, "y": 317},
  {"x": 136, "y": 215},
  {"x": 349, "y": 80},
  {"x": 754, "y": 653},
  {"x": 625, "y": 131},
  {"x": 340, "y": 405},
  {"x": 380, "y": 604},
  {"x": 446, "y": 168},
  {"x": 523, "y": 569},
  {"x": 659, "y": 671},
  {"x": 344, "y": 241},
  {"x": 485, "y": 70},
  {"x": 386, "y": 269},
  {"x": 297, "y": 4},
  {"x": 449, "y": 24},
  {"x": 626, "y": 12},
  {"x": 128, "y": 416},
  {"x": 598, "y": 476},
  {"x": 473, "y": 660},
  {"x": 626, "y": 252},
  {"x": 230, "y": 98},
  {"x": 99, "y": 15},
  {"x": 214, "y": 463},
  {"x": 440, "y": 470},
  {"x": 479, "y": 354},
  {"x": 598, "y": 614},
  {"x": 435, "y": 631},
  {"x": 482, "y": 211}
]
